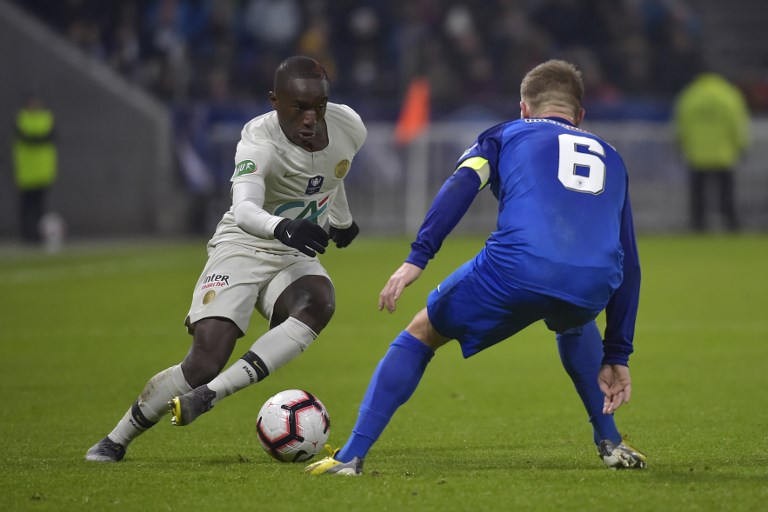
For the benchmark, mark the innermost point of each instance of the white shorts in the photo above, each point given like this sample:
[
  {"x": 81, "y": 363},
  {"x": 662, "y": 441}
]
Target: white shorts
[{"x": 238, "y": 279}]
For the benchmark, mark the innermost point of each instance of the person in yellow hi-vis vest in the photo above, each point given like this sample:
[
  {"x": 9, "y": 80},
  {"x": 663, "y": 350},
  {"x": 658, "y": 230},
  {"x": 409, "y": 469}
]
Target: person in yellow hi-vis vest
[
  {"x": 35, "y": 163},
  {"x": 712, "y": 128}
]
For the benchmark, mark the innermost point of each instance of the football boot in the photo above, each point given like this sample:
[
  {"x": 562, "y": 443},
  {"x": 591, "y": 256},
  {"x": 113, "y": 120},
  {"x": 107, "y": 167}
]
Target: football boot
[
  {"x": 106, "y": 450},
  {"x": 620, "y": 456},
  {"x": 186, "y": 408}
]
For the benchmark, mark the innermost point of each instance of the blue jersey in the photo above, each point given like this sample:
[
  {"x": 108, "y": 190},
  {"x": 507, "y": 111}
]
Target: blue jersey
[
  {"x": 561, "y": 194},
  {"x": 564, "y": 225}
]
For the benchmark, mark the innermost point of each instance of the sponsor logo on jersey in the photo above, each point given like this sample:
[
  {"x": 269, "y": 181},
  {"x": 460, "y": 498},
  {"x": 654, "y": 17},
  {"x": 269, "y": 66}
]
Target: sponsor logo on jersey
[
  {"x": 342, "y": 168},
  {"x": 215, "y": 281},
  {"x": 245, "y": 167},
  {"x": 208, "y": 297},
  {"x": 314, "y": 184},
  {"x": 309, "y": 210}
]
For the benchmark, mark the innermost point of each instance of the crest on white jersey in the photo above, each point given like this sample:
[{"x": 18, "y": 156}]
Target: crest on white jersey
[
  {"x": 342, "y": 168},
  {"x": 314, "y": 184}
]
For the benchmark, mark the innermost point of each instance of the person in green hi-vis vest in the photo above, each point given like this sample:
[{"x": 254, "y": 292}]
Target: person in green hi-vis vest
[
  {"x": 711, "y": 122},
  {"x": 35, "y": 163}
]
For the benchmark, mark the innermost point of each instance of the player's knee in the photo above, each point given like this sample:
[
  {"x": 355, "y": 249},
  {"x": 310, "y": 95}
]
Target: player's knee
[
  {"x": 213, "y": 342},
  {"x": 421, "y": 328},
  {"x": 317, "y": 313},
  {"x": 326, "y": 309},
  {"x": 199, "y": 370},
  {"x": 310, "y": 299}
]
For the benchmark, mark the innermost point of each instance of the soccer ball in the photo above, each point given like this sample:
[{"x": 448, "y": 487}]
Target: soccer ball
[{"x": 293, "y": 426}]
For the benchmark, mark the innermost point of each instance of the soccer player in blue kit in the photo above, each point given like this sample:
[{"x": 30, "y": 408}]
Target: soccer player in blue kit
[{"x": 563, "y": 250}]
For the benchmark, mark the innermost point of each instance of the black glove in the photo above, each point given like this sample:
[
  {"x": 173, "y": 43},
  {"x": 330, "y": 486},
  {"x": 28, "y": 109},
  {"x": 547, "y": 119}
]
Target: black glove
[
  {"x": 343, "y": 237},
  {"x": 302, "y": 234}
]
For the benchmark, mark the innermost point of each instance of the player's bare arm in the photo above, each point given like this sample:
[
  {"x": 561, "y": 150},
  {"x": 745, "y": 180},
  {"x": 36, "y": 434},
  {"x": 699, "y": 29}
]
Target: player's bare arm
[{"x": 403, "y": 276}]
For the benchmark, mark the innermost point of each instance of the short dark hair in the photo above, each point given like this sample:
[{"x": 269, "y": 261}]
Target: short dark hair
[{"x": 295, "y": 67}]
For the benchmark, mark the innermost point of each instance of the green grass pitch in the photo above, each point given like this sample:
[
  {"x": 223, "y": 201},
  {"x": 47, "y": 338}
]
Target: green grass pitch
[{"x": 82, "y": 332}]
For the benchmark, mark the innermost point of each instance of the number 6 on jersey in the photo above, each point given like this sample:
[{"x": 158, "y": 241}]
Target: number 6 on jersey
[{"x": 591, "y": 180}]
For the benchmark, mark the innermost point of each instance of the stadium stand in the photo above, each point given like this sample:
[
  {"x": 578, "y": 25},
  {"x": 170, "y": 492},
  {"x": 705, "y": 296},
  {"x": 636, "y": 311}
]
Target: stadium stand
[{"x": 210, "y": 63}]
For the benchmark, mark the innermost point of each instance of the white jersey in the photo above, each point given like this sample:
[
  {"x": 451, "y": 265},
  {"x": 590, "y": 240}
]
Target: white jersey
[{"x": 297, "y": 183}]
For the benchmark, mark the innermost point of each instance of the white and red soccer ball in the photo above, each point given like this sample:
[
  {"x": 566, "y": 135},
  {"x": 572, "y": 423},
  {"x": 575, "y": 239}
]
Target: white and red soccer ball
[{"x": 293, "y": 426}]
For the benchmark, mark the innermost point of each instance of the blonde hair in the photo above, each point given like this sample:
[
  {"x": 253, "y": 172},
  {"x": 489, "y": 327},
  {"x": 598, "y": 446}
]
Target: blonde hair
[{"x": 555, "y": 84}]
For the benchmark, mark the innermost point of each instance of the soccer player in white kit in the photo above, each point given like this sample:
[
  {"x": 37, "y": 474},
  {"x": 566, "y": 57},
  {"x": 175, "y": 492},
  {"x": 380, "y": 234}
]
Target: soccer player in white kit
[{"x": 288, "y": 182}]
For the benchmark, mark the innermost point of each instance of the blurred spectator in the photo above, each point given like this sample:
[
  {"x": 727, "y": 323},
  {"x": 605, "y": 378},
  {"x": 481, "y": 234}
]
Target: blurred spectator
[
  {"x": 472, "y": 52},
  {"x": 712, "y": 126},
  {"x": 516, "y": 43},
  {"x": 366, "y": 37},
  {"x": 413, "y": 30},
  {"x": 273, "y": 23},
  {"x": 315, "y": 40},
  {"x": 173, "y": 27},
  {"x": 676, "y": 53},
  {"x": 469, "y": 56},
  {"x": 566, "y": 20},
  {"x": 35, "y": 163},
  {"x": 122, "y": 44}
]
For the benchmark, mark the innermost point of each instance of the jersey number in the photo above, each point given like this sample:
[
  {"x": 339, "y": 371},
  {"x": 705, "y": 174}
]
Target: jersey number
[{"x": 582, "y": 172}]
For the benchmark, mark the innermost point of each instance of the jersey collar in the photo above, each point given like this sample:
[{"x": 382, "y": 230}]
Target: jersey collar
[{"x": 560, "y": 120}]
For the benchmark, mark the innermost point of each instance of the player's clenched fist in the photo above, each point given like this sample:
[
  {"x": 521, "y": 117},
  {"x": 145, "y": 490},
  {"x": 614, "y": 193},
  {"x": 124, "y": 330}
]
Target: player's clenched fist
[
  {"x": 344, "y": 236},
  {"x": 302, "y": 234}
]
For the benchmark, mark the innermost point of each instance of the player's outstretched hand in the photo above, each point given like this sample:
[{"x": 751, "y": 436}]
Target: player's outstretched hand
[
  {"x": 343, "y": 236},
  {"x": 403, "y": 276},
  {"x": 302, "y": 234},
  {"x": 616, "y": 385}
]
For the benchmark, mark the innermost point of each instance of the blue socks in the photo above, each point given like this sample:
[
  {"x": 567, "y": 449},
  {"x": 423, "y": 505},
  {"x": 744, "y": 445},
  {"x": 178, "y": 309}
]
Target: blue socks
[
  {"x": 400, "y": 370},
  {"x": 582, "y": 356},
  {"x": 394, "y": 381}
]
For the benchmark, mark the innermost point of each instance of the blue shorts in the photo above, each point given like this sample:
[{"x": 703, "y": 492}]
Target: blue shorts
[{"x": 471, "y": 308}]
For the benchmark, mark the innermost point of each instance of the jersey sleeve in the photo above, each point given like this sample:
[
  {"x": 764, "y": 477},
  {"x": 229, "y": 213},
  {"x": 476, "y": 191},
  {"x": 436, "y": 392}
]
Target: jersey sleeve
[
  {"x": 352, "y": 125},
  {"x": 447, "y": 209},
  {"x": 621, "y": 311},
  {"x": 340, "y": 216},
  {"x": 253, "y": 160},
  {"x": 474, "y": 169},
  {"x": 252, "y": 165},
  {"x": 483, "y": 155}
]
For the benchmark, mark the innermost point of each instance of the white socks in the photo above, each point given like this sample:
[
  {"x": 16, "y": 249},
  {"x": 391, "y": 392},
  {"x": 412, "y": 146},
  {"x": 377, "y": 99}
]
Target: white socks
[
  {"x": 270, "y": 352},
  {"x": 151, "y": 405}
]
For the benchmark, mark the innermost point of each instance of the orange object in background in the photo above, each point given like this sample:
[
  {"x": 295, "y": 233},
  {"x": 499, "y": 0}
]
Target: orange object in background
[{"x": 414, "y": 116}]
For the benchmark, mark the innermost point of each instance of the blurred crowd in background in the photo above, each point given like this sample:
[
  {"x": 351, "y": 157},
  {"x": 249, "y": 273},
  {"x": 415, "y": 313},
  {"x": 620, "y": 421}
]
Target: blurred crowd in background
[
  {"x": 636, "y": 54},
  {"x": 212, "y": 62}
]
